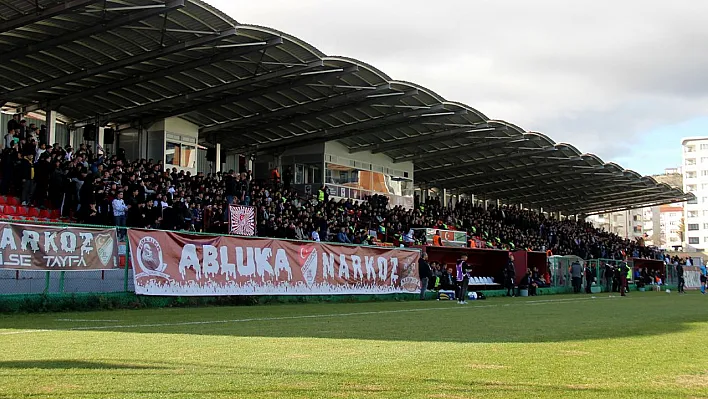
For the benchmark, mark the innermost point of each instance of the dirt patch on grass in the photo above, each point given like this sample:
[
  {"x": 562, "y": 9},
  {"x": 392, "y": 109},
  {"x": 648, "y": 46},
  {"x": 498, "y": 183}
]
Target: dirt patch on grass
[
  {"x": 693, "y": 381},
  {"x": 582, "y": 387},
  {"x": 364, "y": 387},
  {"x": 574, "y": 353},
  {"x": 476, "y": 366},
  {"x": 57, "y": 387}
]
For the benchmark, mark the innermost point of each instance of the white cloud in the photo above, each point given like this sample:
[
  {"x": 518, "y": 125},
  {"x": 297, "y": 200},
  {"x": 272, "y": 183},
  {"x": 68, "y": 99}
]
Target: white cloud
[{"x": 592, "y": 73}]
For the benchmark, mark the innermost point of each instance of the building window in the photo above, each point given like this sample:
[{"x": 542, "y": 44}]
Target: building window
[
  {"x": 693, "y": 214},
  {"x": 691, "y": 161},
  {"x": 691, "y": 187},
  {"x": 705, "y": 226},
  {"x": 690, "y": 148},
  {"x": 692, "y": 226},
  {"x": 180, "y": 155},
  {"x": 704, "y": 159},
  {"x": 704, "y": 146},
  {"x": 691, "y": 175},
  {"x": 693, "y": 240},
  {"x": 705, "y": 213},
  {"x": 692, "y": 201},
  {"x": 704, "y": 173}
]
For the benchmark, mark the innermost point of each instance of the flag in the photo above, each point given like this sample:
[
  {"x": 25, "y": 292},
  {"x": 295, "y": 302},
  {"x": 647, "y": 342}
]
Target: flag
[{"x": 242, "y": 220}]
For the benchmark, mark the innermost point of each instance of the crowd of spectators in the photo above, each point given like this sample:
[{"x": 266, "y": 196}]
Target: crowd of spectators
[{"x": 95, "y": 188}]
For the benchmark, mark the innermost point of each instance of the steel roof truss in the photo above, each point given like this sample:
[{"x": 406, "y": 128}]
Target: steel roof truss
[
  {"x": 346, "y": 99},
  {"x": 100, "y": 27}
]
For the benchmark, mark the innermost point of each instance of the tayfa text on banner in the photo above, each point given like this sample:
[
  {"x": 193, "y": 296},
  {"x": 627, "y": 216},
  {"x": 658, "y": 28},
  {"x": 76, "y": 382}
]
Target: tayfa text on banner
[
  {"x": 168, "y": 263},
  {"x": 34, "y": 247}
]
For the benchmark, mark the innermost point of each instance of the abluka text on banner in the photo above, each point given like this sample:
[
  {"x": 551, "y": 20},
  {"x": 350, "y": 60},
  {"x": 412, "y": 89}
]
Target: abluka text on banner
[
  {"x": 35, "y": 247},
  {"x": 168, "y": 263}
]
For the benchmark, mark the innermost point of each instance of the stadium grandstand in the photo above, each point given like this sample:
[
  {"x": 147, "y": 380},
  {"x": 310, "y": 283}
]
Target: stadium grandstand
[{"x": 179, "y": 109}]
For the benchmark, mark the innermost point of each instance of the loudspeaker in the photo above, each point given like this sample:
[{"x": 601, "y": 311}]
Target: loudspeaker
[
  {"x": 108, "y": 136},
  {"x": 211, "y": 155},
  {"x": 90, "y": 132}
]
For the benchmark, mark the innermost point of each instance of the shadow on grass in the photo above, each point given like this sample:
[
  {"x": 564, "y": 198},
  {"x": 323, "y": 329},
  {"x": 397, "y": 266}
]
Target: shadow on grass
[
  {"x": 69, "y": 364},
  {"x": 492, "y": 321},
  {"x": 280, "y": 382}
]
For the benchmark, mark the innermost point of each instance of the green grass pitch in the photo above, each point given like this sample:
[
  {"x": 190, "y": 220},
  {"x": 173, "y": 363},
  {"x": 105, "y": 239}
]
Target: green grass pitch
[{"x": 648, "y": 345}]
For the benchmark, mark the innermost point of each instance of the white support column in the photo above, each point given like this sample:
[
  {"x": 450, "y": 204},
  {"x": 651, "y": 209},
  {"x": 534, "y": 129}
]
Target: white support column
[
  {"x": 72, "y": 136},
  {"x": 99, "y": 139},
  {"x": 51, "y": 127},
  {"x": 218, "y": 158}
]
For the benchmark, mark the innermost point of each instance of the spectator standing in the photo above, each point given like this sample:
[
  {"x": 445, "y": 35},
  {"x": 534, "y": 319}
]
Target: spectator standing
[
  {"x": 681, "y": 281},
  {"x": 27, "y": 173},
  {"x": 509, "y": 275},
  {"x": 608, "y": 275},
  {"x": 119, "y": 213},
  {"x": 425, "y": 274},
  {"x": 576, "y": 275},
  {"x": 463, "y": 279}
]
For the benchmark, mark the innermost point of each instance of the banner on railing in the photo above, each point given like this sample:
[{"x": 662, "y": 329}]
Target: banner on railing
[
  {"x": 242, "y": 220},
  {"x": 692, "y": 277},
  {"x": 35, "y": 247},
  {"x": 168, "y": 263}
]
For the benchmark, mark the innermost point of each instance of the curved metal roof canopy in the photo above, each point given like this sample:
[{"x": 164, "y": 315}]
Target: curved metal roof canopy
[{"x": 255, "y": 89}]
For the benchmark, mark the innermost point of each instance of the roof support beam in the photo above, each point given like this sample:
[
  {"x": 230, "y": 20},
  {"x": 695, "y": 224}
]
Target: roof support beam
[
  {"x": 485, "y": 161},
  {"x": 594, "y": 197},
  {"x": 614, "y": 202},
  {"x": 570, "y": 183},
  {"x": 113, "y": 66},
  {"x": 44, "y": 14},
  {"x": 595, "y": 211},
  {"x": 408, "y": 142},
  {"x": 173, "y": 70},
  {"x": 504, "y": 171},
  {"x": 541, "y": 190},
  {"x": 234, "y": 98},
  {"x": 362, "y": 127},
  {"x": 423, "y": 156},
  {"x": 299, "y": 118},
  {"x": 507, "y": 182},
  {"x": 100, "y": 27},
  {"x": 189, "y": 97},
  {"x": 336, "y": 101}
]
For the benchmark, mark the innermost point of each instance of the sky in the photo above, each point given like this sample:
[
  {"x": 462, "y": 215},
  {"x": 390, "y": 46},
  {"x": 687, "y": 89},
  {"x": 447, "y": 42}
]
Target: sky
[{"x": 625, "y": 80}]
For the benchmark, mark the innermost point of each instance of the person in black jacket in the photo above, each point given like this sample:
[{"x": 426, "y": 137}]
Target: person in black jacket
[
  {"x": 681, "y": 280},
  {"x": 425, "y": 273},
  {"x": 509, "y": 275}
]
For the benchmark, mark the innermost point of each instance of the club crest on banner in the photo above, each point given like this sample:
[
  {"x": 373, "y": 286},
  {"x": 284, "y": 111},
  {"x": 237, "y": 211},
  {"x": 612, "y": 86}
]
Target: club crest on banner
[
  {"x": 308, "y": 255},
  {"x": 149, "y": 258},
  {"x": 104, "y": 247}
]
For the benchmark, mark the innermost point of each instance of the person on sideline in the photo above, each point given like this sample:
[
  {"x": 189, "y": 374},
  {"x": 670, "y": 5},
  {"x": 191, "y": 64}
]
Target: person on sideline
[
  {"x": 704, "y": 278},
  {"x": 425, "y": 274},
  {"x": 463, "y": 279},
  {"x": 681, "y": 281},
  {"x": 576, "y": 273}
]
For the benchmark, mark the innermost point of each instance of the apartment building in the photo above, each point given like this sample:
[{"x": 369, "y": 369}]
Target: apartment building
[{"x": 695, "y": 180}]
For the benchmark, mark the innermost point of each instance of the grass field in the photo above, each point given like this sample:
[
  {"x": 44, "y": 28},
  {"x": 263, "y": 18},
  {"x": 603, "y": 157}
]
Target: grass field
[{"x": 649, "y": 345}]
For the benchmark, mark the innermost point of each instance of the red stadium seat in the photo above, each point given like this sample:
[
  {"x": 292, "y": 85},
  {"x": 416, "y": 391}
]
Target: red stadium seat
[
  {"x": 3, "y": 200},
  {"x": 2, "y": 209},
  {"x": 14, "y": 201},
  {"x": 10, "y": 210},
  {"x": 34, "y": 212},
  {"x": 44, "y": 213},
  {"x": 55, "y": 214},
  {"x": 23, "y": 211}
]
